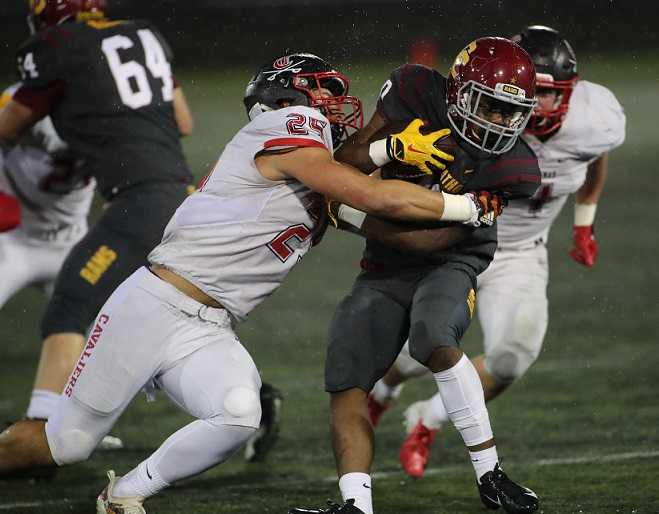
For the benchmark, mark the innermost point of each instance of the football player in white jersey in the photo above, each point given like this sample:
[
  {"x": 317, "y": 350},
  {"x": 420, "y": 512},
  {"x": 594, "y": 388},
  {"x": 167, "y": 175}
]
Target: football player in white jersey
[
  {"x": 227, "y": 248},
  {"x": 44, "y": 224},
  {"x": 575, "y": 125}
]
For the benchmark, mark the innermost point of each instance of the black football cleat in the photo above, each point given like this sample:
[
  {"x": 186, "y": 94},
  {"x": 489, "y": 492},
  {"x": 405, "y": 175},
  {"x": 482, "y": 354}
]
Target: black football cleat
[
  {"x": 497, "y": 490},
  {"x": 333, "y": 508},
  {"x": 259, "y": 445}
]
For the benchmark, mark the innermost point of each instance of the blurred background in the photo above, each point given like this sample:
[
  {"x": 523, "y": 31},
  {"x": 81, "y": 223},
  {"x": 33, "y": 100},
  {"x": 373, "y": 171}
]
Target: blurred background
[{"x": 581, "y": 428}]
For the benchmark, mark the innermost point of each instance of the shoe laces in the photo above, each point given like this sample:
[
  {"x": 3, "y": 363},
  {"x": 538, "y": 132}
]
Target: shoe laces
[{"x": 504, "y": 483}]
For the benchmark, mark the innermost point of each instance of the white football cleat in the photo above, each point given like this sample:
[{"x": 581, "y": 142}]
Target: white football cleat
[{"x": 106, "y": 503}]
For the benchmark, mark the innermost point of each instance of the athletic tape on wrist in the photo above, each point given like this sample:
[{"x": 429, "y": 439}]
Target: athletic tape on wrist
[
  {"x": 351, "y": 216},
  {"x": 377, "y": 151},
  {"x": 584, "y": 214},
  {"x": 458, "y": 208}
]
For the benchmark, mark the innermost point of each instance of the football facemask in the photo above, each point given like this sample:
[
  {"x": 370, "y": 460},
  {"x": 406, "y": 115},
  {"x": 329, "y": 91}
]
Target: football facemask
[
  {"x": 491, "y": 119},
  {"x": 328, "y": 92}
]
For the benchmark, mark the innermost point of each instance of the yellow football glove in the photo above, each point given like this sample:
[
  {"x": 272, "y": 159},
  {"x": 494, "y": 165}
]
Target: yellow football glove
[{"x": 414, "y": 148}]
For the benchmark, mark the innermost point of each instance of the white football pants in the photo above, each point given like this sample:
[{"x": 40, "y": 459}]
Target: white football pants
[{"x": 146, "y": 332}]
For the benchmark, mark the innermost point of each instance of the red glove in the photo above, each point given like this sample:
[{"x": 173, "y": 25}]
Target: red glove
[
  {"x": 10, "y": 212},
  {"x": 585, "y": 247}
]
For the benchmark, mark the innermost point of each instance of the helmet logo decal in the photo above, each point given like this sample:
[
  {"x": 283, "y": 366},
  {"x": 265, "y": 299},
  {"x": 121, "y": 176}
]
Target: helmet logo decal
[
  {"x": 281, "y": 65},
  {"x": 463, "y": 57},
  {"x": 282, "y": 62},
  {"x": 37, "y": 6}
]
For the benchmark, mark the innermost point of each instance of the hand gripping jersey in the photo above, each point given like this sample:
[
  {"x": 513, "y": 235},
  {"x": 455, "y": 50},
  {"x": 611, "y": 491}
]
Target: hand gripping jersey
[
  {"x": 414, "y": 91},
  {"x": 26, "y": 166},
  {"x": 237, "y": 238},
  {"x": 594, "y": 124},
  {"x": 111, "y": 90}
]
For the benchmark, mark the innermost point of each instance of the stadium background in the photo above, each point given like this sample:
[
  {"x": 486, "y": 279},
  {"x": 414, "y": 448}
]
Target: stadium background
[{"x": 581, "y": 428}]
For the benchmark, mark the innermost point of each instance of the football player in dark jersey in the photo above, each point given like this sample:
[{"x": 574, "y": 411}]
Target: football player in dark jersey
[
  {"x": 429, "y": 295},
  {"x": 109, "y": 89},
  {"x": 574, "y": 125}
]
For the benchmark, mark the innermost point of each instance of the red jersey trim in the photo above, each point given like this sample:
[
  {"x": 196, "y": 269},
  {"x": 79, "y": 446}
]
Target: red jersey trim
[{"x": 292, "y": 141}]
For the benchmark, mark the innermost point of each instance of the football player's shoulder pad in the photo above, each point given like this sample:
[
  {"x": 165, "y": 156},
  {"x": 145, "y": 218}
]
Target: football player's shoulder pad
[{"x": 595, "y": 120}]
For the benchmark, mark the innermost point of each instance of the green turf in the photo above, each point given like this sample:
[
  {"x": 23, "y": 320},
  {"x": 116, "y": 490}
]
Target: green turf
[{"x": 590, "y": 399}]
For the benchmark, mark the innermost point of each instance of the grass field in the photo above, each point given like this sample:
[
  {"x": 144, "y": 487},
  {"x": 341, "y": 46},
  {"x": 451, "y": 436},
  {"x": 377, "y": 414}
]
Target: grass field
[{"x": 582, "y": 428}]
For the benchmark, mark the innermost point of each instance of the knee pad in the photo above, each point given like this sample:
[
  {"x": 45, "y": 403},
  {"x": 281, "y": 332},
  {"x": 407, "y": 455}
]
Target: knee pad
[
  {"x": 70, "y": 446},
  {"x": 509, "y": 357},
  {"x": 242, "y": 406},
  {"x": 509, "y": 362}
]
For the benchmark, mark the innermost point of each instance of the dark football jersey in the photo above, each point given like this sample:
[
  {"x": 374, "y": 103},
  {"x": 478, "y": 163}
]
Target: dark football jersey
[
  {"x": 115, "y": 107},
  {"x": 415, "y": 91}
]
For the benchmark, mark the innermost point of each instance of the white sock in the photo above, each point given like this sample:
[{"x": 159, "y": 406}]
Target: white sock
[
  {"x": 357, "y": 486},
  {"x": 141, "y": 481},
  {"x": 462, "y": 393},
  {"x": 187, "y": 452},
  {"x": 484, "y": 461},
  {"x": 42, "y": 404},
  {"x": 435, "y": 415},
  {"x": 384, "y": 394}
]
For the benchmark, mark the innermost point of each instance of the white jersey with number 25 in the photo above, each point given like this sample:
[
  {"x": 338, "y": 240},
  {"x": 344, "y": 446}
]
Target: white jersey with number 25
[{"x": 237, "y": 238}]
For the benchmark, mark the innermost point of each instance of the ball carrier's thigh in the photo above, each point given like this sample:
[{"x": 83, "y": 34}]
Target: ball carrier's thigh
[
  {"x": 114, "y": 248},
  {"x": 442, "y": 309},
  {"x": 367, "y": 332}
]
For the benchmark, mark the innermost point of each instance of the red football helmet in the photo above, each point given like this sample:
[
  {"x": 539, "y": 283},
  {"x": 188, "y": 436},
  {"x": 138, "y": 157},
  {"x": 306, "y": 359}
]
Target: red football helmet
[
  {"x": 490, "y": 93},
  {"x": 46, "y": 13}
]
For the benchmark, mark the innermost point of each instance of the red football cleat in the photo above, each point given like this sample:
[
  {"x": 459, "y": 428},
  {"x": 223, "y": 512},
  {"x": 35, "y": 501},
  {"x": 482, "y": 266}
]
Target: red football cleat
[
  {"x": 376, "y": 409},
  {"x": 415, "y": 450}
]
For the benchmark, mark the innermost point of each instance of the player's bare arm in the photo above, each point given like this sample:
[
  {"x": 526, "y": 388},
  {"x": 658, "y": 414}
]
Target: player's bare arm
[
  {"x": 316, "y": 168},
  {"x": 585, "y": 248},
  {"x": 355, "y": 150},
  {"x": 591, "y": 190},
  {"x": 15, "y": 119},
  {"x": 182, "y": 113},
  {"x": 417, "y": 239}
]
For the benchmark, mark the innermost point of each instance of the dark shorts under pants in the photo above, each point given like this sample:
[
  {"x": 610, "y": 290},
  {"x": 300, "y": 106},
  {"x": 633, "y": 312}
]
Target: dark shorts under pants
[{"x": 434, "y": 306}]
